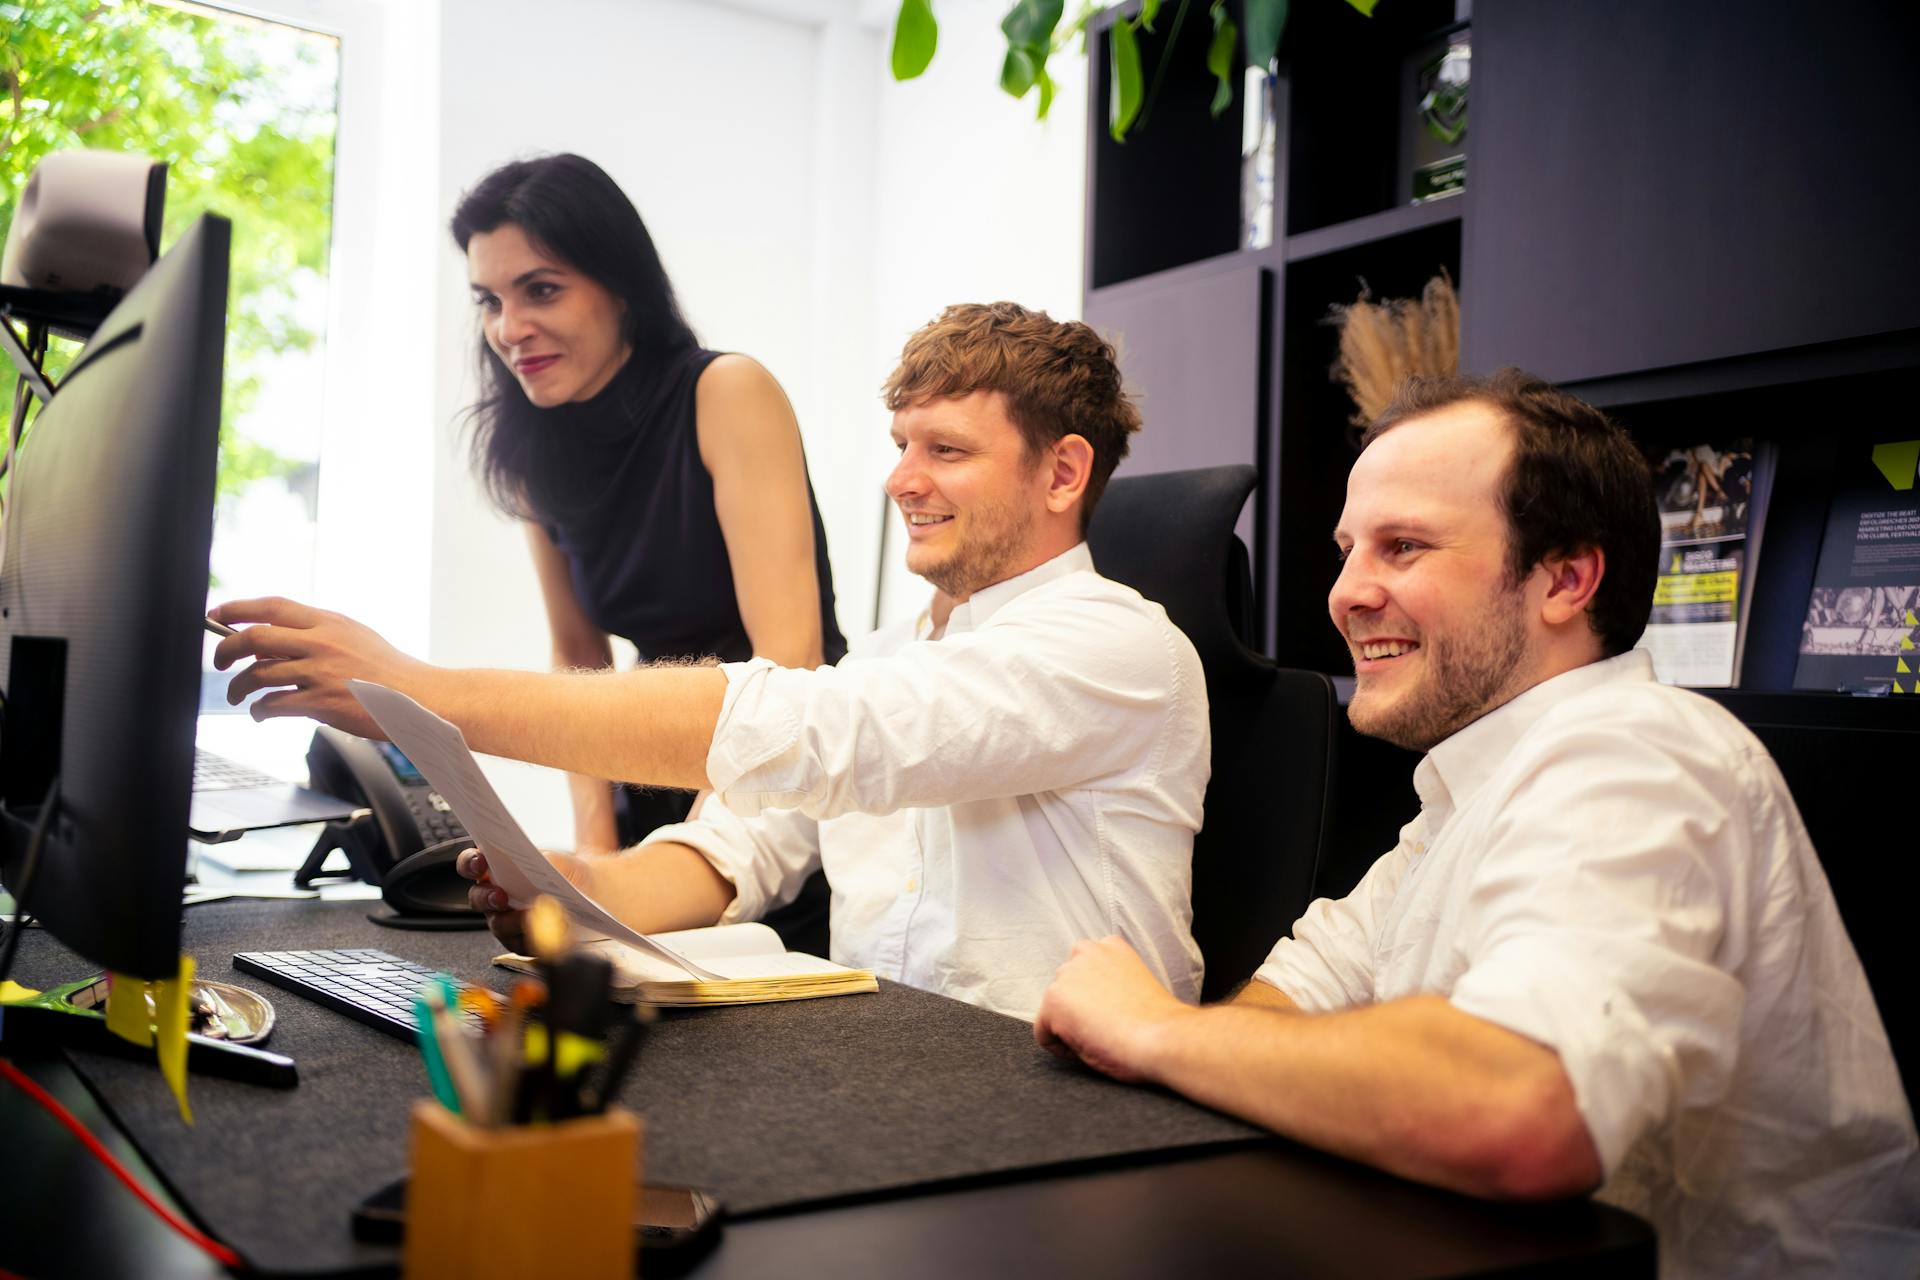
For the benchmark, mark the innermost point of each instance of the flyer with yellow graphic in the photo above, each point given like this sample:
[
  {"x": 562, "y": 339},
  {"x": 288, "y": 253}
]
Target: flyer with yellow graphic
[
  {"x": 1862, "y": 631},
  {"x": 1712, "y": 498}
]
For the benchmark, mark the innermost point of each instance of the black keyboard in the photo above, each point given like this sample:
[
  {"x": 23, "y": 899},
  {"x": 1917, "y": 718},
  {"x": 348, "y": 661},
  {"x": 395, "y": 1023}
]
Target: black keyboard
[
  {"x": 368, "y": 986},
  {"x": 217, "y": 773}
]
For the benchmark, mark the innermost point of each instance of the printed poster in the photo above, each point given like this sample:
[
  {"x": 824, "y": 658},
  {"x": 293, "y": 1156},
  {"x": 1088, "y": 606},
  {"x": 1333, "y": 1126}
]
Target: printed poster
[{"x": 1863, "y": 616}]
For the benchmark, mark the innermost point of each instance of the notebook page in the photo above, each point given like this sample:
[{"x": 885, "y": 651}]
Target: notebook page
[{"x": 719, "y": 940}]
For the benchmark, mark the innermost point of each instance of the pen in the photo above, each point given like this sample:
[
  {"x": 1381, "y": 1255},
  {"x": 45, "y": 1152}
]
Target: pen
[
  {"x": 219, "y": 628},
  {"x": 509, "y": 1053},
  {"x": 626, "y": 1043},
  {"x": 482, "y": 1003},
  {"x": 576, "y": 1016},
  {"x": 458, "y": 1053},
  {"x": 437, "y": 1077}
]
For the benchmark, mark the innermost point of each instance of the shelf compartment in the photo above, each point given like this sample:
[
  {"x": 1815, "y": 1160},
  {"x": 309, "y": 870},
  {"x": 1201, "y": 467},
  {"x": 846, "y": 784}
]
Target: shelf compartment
[
  {"x": 1373, "y": 228},
  {"x": 1347, "y": 115},
  {"x": 1170, "y": 194}
]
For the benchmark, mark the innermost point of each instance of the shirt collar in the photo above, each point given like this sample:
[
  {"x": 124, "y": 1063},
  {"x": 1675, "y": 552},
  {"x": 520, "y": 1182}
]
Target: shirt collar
[
  {"x": 1457, "y": 768},
  {"x": 972, "y": 614}
]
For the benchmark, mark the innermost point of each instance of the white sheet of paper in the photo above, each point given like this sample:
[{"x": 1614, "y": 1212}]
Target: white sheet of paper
[{"x": 439, "y": 750}]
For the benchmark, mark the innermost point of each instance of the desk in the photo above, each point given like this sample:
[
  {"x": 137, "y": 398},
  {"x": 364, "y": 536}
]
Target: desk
[{"x": 1234, "y": 1207}]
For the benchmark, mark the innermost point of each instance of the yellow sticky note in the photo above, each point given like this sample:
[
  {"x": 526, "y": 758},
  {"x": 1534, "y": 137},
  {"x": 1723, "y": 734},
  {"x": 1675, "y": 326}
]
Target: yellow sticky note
[
  {"x": 127, "y": 1015},
  {"x": 12, "y": 992},
  {"x": 170, "y": 1031}
]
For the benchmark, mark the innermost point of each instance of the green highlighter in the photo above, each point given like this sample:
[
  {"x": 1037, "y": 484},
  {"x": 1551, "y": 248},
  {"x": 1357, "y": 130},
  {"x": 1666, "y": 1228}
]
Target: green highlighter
[{"x": 438, "y": 1076}]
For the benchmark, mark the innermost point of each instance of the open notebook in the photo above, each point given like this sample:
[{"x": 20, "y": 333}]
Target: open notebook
[{"x": 749, "y": 961}]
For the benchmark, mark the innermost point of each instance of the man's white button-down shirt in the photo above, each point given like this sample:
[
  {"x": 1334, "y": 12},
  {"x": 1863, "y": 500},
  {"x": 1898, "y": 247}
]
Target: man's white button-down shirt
[
  {"x": 979, "y": 801},
  {"x": 1615, "y": 869}
]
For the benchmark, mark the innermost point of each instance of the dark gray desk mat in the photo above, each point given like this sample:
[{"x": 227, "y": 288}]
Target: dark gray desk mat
[{"x": 772, "y": 1106}]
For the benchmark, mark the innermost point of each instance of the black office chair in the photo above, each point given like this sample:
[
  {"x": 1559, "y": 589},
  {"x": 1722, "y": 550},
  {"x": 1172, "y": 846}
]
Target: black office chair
[{"x": 1170, "y": 537}]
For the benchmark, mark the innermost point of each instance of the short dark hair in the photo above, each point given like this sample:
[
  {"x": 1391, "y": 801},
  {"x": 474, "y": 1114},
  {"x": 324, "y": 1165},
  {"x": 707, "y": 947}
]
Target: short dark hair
[
  {"x": 1059, "y": 378},
  {"x": 1577, "y": 482},
  {"x": 571, "y": 209}
]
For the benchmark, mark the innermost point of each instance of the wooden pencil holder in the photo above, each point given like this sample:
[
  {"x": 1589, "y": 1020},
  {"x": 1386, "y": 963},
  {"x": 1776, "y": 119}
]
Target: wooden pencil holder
[{"x": 528, "y": 1200}]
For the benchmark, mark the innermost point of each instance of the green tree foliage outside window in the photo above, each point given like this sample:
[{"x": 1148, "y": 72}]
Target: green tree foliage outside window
[{"x": 228, "y": 104}]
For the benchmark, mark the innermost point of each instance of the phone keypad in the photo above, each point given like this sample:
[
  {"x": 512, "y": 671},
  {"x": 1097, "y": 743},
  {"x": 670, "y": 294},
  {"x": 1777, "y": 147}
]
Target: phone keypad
[{"x": 434, "y": 816}]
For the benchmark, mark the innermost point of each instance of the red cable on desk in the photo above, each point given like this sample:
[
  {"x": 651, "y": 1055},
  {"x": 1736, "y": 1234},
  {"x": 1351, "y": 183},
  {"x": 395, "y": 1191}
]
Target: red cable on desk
[{"x": 225, "y": 1256}]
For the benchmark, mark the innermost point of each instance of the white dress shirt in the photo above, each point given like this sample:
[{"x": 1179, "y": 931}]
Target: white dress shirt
[
  {"x": 1615, "y": 869},
  {"x": 980, "y": 801}
]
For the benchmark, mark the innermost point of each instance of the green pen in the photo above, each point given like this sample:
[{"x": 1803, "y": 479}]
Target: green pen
[{"x": 437, "y": 1076}]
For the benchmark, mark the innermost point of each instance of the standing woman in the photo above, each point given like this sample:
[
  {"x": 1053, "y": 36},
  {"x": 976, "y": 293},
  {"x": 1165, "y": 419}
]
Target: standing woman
[{"x": 663, "y": 485}]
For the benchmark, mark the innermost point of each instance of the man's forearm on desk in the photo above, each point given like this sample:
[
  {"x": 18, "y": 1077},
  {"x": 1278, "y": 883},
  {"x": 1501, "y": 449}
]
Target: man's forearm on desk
[{"x": 1413, "y": 1086}]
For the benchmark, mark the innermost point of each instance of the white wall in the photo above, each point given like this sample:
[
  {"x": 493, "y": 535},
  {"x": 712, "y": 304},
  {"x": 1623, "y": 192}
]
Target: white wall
[
  {"x": 811, "y": 212},
  {"x": 975, "y": 202},
  {"x": 703, "y": 115}
]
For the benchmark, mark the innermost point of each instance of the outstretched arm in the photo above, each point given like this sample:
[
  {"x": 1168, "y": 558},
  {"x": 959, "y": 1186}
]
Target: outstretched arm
[
  {"x": 1412, "y": 1086},
  {"x": 649, "y": 726}
]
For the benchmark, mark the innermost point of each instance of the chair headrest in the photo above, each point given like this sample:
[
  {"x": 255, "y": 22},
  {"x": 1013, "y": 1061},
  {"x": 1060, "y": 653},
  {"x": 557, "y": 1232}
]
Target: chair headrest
[{"x": 1169, "y": 536}]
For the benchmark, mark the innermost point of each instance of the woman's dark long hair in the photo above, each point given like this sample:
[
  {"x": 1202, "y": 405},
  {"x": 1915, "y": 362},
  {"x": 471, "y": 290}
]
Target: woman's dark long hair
[{"x": 570, "y": 209}]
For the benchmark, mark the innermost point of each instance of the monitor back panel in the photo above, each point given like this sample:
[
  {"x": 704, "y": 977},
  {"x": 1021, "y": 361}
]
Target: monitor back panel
[{"x": 101, "y": 591}]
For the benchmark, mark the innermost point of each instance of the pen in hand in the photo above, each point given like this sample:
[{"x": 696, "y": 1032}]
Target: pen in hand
[{"x": 219, "y": 628}]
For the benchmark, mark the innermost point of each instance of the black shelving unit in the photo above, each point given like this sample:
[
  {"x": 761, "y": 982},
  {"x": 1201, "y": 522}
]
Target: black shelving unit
[
  {"x": 1162, "y": 229},
  {"x": 1610, "y": 187},
  {"x": 1699, "y": 218}
]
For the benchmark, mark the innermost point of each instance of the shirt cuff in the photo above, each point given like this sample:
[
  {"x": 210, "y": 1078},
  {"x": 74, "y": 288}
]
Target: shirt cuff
[
  {"x": 730, "y": 862},
  {"x": 1624, "y": 1076},
  {"x": 1293, "y": 982},
  {"x": 757, "y": 725}
]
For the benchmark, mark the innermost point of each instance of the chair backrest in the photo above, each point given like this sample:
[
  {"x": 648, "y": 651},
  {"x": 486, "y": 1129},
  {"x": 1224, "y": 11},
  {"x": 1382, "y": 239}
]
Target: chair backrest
[{"x": 1170, "y": 537}]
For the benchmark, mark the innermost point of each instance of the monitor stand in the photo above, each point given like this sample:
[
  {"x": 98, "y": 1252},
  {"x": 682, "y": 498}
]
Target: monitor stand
[{"x": 61, "y": 1026}]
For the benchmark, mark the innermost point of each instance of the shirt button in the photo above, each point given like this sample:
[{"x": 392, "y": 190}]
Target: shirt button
[{"x": 913, "y": 886}]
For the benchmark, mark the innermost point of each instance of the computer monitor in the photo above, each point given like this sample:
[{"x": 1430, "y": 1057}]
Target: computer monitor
[{"x": 102, "y": 591}]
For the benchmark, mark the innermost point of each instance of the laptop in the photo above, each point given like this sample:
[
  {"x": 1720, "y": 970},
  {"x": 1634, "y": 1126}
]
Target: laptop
[{"x": 231, "y": 799}]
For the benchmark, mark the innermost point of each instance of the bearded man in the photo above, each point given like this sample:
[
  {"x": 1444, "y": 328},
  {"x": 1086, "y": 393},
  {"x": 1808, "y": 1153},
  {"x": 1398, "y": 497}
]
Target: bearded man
[{"x": 1604, "y": 955}]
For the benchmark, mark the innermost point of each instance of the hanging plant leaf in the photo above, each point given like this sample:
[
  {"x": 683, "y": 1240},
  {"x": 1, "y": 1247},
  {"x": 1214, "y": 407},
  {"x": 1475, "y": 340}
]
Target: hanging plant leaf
[
  {"x": 1220, "y": 57},
  {"x": 915, "y": 33},
  {"x": 1364, "y": 6},
  {"x": 1266, "y": 23},
  {"x": 1028, "y": 27},
  {"x": 1149, "y": 10},
  {"x": 1031, "y": 22},
  {"x": 1018, "y": 72},
  {"x": 1124, "y": 105},
  {"x": 1045, "y": 82}
]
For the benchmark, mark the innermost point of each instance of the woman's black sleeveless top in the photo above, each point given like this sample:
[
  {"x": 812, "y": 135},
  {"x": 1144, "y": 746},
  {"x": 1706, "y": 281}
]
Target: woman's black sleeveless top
[{"x": 647, "y": 556}]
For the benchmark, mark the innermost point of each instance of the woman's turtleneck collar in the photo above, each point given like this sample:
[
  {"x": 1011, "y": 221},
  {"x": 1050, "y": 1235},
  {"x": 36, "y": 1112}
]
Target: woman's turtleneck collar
[{"x": 623, "y": 406}]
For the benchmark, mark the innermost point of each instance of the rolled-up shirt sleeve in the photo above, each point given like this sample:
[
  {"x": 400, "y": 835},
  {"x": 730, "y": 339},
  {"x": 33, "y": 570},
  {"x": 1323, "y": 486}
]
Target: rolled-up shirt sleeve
[
  {"x": 1328, "y": 962},
  {"x": 766, "y": 858},
  {"x": 1056, "y": 699},
  {"x": 1594, "y": 923}
]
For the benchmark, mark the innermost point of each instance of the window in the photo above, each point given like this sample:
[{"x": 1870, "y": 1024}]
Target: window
[{"x": 245, "y": 113}]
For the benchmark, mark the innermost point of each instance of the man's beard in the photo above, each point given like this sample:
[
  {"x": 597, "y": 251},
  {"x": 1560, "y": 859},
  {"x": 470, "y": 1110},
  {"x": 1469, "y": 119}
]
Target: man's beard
[
  {"x": 1466, "y": 677},
  {"x": 999, "y": 536}
]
